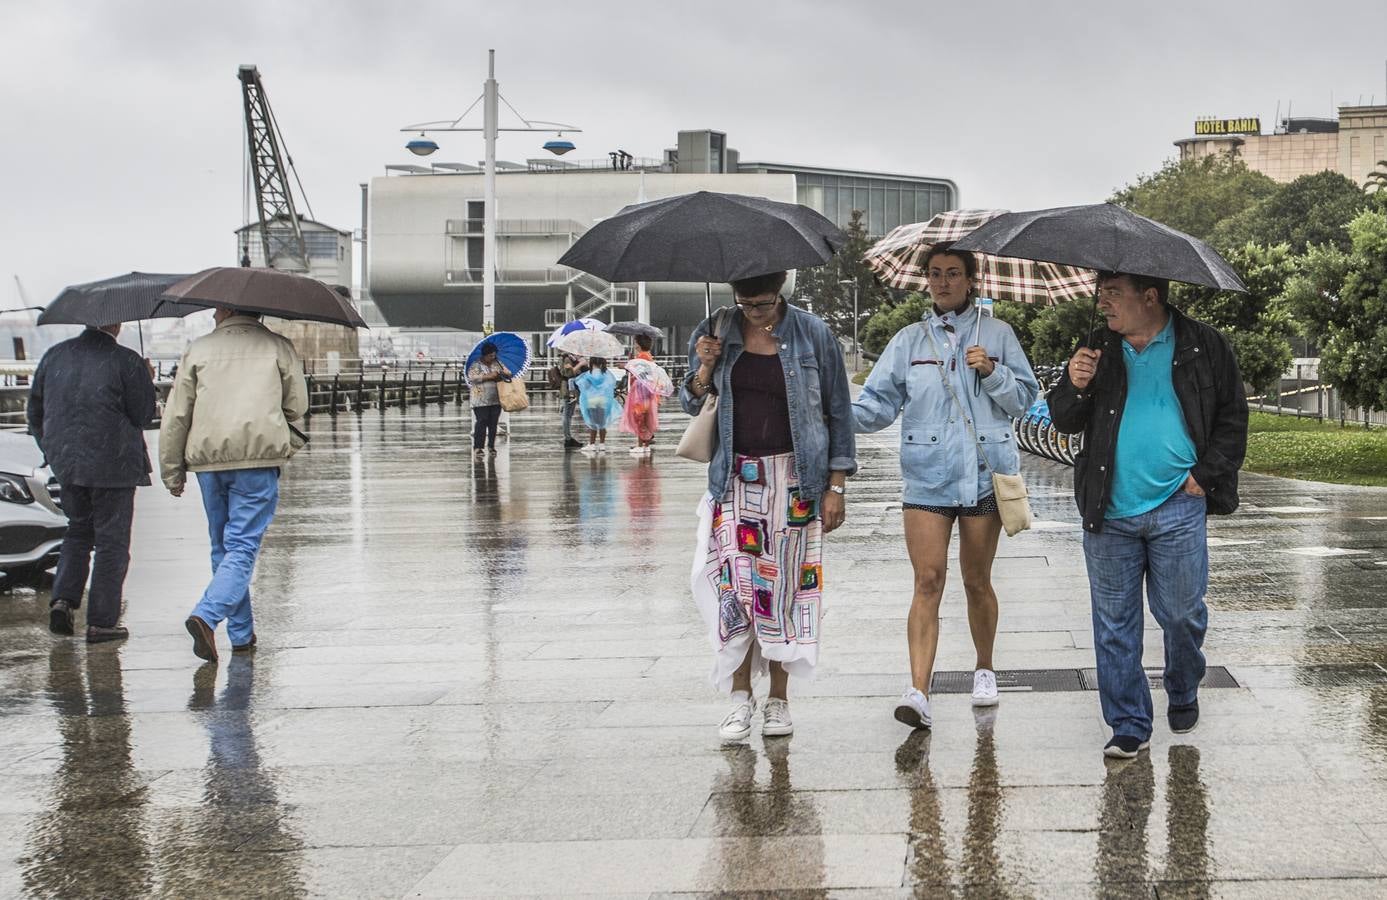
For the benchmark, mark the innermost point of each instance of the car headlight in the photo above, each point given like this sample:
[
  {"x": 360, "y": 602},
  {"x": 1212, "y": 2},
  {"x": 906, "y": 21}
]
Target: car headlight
[{"x": 14, "y": 489}]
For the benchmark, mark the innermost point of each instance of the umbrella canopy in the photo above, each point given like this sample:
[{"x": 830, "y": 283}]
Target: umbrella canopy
[
  {"x": 704, "y": 236},
  {"x": 635, "y": 329},
  {"x": 512, "y": 351},
  {"x": 575, "y": 325},
  {"x": 1108, "y": 237},
  {"x": 124, "y": 298},
  {"x": 646, "y": 371},
  {"x": 266, "y": 291},
  {"x": 591, "y": 343},
  {"x": 899, "y": 261}
]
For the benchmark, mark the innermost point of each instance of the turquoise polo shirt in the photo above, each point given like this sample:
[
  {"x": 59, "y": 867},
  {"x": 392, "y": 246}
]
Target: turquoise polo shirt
[{"x": 1154, "y": 450}]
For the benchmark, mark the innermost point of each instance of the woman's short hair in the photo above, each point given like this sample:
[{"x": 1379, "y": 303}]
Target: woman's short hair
[
  {"x": 485, "y": 348},
  {"x": 597, "y": 363},
  {"x": 946, "y": 248},
  {"x": 645, "y": 341},
  {"x": 759, "y": 285}
]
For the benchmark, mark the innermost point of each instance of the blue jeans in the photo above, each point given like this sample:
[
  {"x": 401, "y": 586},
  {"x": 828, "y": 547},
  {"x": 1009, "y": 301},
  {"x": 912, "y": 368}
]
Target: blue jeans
[
  {"x": 240, "y": 504},
  {"x": 1168, "y": 549}
]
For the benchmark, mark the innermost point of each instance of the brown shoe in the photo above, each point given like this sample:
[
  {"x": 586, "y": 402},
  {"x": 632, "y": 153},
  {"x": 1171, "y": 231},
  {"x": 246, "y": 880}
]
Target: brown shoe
[
  {"x": 60, "y": 617},
  {"x": 246, "y": 647},
  {"x": 96, "y": 634},
  {"x": 204, "y": 641}
]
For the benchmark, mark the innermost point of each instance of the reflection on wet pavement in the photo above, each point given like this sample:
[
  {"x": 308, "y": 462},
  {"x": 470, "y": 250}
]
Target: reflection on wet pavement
[{"x": 485, "y": 678}]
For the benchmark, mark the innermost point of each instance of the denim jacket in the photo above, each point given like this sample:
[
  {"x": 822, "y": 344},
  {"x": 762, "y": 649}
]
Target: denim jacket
[
  {"x": 939, "y": 458},
  {"x": 816, "y": 390}
]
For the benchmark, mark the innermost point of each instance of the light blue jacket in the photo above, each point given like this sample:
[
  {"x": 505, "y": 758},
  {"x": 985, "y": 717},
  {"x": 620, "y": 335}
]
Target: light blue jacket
[
  {"x": 939, "y": 459},
  {"x": 816, "y": 391}
]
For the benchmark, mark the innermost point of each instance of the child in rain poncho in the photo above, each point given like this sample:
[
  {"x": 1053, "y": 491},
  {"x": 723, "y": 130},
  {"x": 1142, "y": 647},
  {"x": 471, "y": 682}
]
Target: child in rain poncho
[{"x": 598, "y": 404}]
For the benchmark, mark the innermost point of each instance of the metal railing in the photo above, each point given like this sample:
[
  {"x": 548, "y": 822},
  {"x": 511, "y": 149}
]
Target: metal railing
[{"x": 474, "y": 227}]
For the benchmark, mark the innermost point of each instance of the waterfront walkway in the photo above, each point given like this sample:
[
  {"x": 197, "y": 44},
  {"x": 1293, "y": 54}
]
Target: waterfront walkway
[{"x": 487, "y": 679}]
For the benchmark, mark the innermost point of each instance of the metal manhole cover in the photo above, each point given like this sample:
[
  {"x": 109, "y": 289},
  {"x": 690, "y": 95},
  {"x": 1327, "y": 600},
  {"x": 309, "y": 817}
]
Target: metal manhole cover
[
  {"x": 1016, "y": 680},
  {"x": 1214, "y": 677}
]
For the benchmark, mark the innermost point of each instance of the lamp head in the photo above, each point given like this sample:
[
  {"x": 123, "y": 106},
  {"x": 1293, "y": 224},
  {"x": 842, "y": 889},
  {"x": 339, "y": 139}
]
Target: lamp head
[{"x": 421, "y": 146}]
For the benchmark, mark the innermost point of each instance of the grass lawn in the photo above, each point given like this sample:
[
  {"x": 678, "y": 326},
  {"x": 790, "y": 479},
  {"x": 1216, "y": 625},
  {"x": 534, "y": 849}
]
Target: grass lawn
[{"x": 1316, "y": 451}]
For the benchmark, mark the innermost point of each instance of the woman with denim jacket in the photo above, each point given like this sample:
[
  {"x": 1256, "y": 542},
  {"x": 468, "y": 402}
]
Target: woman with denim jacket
[
  {"x": 955, "y": 357},
  {"x": 776, "y": 485}
]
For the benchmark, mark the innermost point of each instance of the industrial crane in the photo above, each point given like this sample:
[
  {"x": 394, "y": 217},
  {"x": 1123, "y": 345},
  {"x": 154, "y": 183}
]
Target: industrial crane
[{"x": 281, "y": 236}]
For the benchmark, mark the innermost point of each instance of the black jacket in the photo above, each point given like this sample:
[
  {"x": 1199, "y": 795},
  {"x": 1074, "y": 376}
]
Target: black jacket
[
  {"x": 1210, "y": 390},
  {"x": 88, "y": 406}
]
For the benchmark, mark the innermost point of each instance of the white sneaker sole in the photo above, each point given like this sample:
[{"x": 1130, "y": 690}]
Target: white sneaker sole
[
  {"x": 741, "y": 735},
  {"x": 777, "y": 730},
  {"x": 986, "y": 701},
  {"x": 909, "y": 715},
  {"x": 1118, "y": 753}
]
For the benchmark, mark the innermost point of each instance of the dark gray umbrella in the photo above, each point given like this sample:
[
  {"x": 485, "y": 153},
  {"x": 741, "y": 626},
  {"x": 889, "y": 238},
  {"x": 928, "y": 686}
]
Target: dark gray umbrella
[
  {"x": 635, "y": 329},
  {"x": 1105, "y": 237},
  {"x": 124, "y": 298},
  {"x": 266, "y": 291},
  {"x": 705, "y": 236}
]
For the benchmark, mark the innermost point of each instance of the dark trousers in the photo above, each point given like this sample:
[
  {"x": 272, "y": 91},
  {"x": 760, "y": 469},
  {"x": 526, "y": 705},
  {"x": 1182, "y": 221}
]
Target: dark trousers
[
  {"x": 484, "y": 431},
  {"x": 97, "y": 519}
]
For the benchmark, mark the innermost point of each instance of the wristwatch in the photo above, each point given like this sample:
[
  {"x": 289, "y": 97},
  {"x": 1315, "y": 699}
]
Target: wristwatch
[{"x": 837, "y": 489}]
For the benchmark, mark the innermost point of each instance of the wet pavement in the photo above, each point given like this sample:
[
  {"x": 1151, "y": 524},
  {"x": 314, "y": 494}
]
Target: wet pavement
[{"x": 478, "y": 679}]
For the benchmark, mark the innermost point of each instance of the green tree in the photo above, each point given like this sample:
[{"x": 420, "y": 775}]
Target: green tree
[
  {"x": 831, "y": 299},
  {"x": 891, "y": 318},
  {"x": 1020, "y": 316},
  {"x": 1340, "y": 300},
  {"x": 1195, "y": 195},
  {"x": 1257, "y": 323},
  {"x": 1058, "y": 329},
  {"x": 1377, "y": 178},
  {"x": 1313, "y": 209}
]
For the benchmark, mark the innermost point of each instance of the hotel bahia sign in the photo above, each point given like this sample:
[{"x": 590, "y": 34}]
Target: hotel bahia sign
[{"x": 1228, "y": 126}]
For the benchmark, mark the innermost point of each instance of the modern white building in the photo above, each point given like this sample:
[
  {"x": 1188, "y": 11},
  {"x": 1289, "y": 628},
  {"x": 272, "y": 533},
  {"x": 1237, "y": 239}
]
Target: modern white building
[{"x": 424, "y": 231}]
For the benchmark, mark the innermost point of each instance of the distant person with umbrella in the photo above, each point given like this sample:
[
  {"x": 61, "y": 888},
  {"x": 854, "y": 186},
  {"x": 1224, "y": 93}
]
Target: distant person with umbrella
[
  {"x": 952, "y": 439},
  {"x": 90, "y": 402},
  {"x": 483, "y": 375},
  {"x": 776, "y": 486},
  {"x": 229, "y": 419},
  {"x": 646, "y": 385},
  {"x": 1160, "y": 401},
  {"x": 570, "y": 367}
]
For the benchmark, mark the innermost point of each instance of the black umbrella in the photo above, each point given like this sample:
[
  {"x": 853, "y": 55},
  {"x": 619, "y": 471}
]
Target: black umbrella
[
  {"x": 266, "y": 291},
  {"x": 635, "y": 329},
  {"x": 124, "y": 298},
  {"x": 705, "y": 236},
  {"x": 1105, "y": 237}
]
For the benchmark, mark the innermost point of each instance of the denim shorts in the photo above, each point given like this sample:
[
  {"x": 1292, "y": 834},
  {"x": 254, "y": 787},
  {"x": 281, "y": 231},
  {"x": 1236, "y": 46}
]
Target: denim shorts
[{"x": 986, "y": 506}]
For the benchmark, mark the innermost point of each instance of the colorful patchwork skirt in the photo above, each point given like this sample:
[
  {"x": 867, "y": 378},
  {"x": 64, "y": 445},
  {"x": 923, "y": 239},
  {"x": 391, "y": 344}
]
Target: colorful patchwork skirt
[{"x": 758, "y": 572}]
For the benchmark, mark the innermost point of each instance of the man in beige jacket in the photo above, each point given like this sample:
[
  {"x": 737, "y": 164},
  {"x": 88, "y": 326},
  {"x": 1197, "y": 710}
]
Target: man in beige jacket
[{"x": 227, "y": 419}]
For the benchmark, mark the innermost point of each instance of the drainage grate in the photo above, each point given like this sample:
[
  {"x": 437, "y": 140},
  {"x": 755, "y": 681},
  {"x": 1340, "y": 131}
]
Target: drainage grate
[
  {"x": 1055, "y": 680},
  {"x": 1214, "y": 677},
  {"x": 1044, "y": 680}
]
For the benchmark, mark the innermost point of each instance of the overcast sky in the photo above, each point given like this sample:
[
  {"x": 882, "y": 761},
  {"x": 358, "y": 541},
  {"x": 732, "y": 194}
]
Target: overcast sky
[{"x": 122, "y": 137}]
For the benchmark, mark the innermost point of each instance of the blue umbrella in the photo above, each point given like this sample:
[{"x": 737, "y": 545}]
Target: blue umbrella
[
  {"x": 575, "y": 325},
  {"x": 512, "y": 351}
]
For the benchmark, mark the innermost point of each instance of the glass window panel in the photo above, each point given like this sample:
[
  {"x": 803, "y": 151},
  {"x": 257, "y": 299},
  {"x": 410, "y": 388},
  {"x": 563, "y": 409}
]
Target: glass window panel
[
  {"x": 892, "y": 215},
  {"x": 859, "y": 198},
  {"x": 876, "y": 224}
]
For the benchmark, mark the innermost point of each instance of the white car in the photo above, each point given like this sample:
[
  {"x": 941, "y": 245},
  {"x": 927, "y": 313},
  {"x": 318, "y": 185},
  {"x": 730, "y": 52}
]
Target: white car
[{"x": 32, "y": 523}]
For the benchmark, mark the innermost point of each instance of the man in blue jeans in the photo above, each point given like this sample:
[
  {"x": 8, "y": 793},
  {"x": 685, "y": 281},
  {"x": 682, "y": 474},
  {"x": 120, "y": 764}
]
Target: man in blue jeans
[
  {"x": 228, "y": 420},
  {"x": 1160, "y": 401}
]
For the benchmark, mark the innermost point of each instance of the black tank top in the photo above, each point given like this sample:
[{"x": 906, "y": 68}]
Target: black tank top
[{"x": 760, "y": 409}]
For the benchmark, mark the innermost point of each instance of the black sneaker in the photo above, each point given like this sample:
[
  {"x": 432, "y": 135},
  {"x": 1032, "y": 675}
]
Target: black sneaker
[
  {"x": 1182, "y": 719},
  {"x": 97, "y": 634},
  {"x": 572, "y": 443},
  {"x": 60, "y": 617},
  {"x": 1124, "y": 746}
]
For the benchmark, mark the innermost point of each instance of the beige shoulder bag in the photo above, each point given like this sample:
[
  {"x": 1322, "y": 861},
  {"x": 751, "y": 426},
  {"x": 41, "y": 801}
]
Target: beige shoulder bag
[
  {"x": 701, "y": 437},
  {"x": 1013, "y": 502}
]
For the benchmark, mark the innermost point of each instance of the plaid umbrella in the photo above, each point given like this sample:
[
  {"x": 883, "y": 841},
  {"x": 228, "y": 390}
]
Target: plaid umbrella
[{"x": 898, "y": 260}]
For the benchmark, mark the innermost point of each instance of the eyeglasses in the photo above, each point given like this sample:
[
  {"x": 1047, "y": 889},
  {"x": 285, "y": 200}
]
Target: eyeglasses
[
  {"x": 938, "y": 275},
  {"x": 745, "y": 304}
]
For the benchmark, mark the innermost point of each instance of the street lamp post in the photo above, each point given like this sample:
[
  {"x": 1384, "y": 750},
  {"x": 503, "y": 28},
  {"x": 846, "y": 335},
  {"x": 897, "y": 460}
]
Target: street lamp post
[
  {"x": 856, "y": 347},
  {"x": 490, "y": 100}
]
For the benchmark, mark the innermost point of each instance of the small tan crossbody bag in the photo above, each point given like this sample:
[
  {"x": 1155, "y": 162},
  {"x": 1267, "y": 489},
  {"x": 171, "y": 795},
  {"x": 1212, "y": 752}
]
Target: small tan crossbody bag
[{"x": 1013, "y": 502}]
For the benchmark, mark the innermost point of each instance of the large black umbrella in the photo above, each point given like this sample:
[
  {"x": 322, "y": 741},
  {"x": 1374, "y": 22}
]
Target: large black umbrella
[
  {"x": 635, "y": 329},
  {"x": 705, "y": 236},
  {"x": 124, "y": 298},
  {"x": 1105, "y": 237},
  {"x": 266, "y": 291}
]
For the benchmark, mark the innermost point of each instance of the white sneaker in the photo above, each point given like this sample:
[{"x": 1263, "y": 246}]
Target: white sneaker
[
  {"x": 737, "y": 725},
  {"x": 602, "y": 447},
  {"x": 913, "y": 709},
  {"x": 636, "y": 451},
  {"x": 777, "y": 718},
  {"x": 984, "y": 688},
  {"x": 589, "y": 450}
]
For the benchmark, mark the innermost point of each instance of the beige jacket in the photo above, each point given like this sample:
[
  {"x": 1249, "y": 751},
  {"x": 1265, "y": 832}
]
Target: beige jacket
[{"x": 237, "y": 390}]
